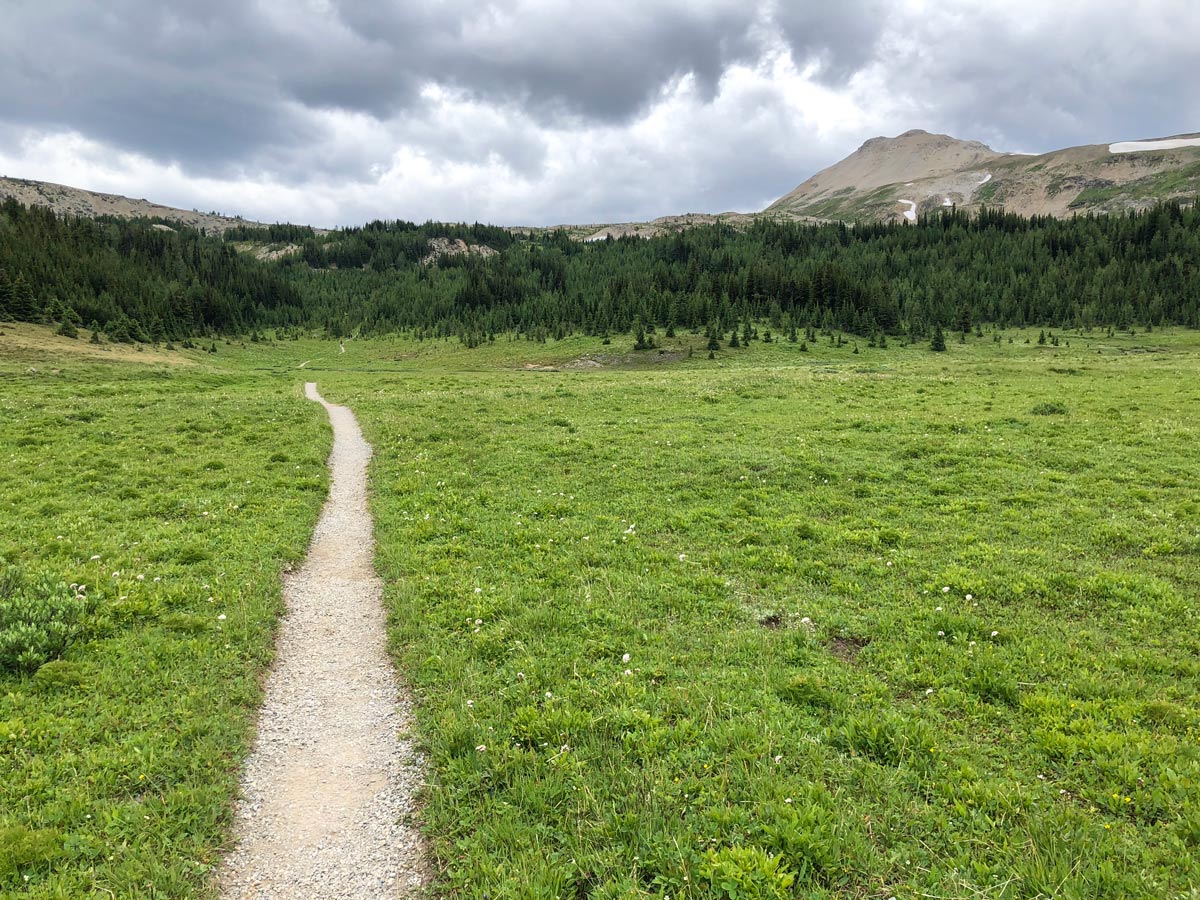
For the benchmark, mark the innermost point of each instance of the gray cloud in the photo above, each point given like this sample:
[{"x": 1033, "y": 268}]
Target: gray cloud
[
  {"x": 1042, "y": 78},
  {"x": 548, "y": 110},
  {"x": 841, "y": 37}
]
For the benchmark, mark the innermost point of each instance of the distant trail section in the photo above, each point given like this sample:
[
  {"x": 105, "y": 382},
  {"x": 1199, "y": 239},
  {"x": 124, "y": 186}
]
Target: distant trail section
[{"x": 330, "y": 787}]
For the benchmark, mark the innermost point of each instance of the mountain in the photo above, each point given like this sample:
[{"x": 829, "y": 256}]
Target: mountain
[
  {"x": 918, "y": 172},
  {"x": 72, "y": 201},
  {"x": 886, "y": 179}
]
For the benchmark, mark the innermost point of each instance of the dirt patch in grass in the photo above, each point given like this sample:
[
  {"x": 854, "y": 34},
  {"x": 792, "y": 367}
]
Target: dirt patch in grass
[{"x": 847, "y": 648}]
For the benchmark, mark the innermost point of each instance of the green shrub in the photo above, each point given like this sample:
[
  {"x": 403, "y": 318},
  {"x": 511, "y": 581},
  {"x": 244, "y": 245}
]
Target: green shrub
[
  {"x": 888, "y": 738},
  {"x": 38, "y": 621},
  {"x": 21, "y": 846},
  {"x": 1049, "y": 409},
  {"x": 747, "y": 873},
  {"x": 805, "y": 689}
]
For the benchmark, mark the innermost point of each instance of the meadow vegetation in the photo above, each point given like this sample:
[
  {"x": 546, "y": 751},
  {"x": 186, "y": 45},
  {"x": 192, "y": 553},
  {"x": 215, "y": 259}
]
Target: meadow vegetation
[
  {"x": 802, "y": 624},
  {"x": 146, "y": 509},
  {"x": 845, "y": 621}
]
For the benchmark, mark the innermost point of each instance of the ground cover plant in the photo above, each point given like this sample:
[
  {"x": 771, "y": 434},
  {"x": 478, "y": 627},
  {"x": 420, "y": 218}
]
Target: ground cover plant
[
  {"x": 784, "y": 623},
  {"x": 147, "y": 505}
]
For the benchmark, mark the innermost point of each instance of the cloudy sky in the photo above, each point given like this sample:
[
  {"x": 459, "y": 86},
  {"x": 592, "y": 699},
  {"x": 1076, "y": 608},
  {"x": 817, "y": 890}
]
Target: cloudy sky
[{"x": 334, "y": 112}]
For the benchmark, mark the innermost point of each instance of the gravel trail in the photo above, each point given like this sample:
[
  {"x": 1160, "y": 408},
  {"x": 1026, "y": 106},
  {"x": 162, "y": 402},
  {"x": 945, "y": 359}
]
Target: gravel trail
[{"x": 329, "y": 789}]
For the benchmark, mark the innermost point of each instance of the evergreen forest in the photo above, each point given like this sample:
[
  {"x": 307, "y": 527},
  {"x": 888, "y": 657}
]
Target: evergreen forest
[{"x": 147, "y": 280}]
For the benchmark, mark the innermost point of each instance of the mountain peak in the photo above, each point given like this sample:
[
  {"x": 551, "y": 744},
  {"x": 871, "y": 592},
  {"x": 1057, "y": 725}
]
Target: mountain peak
[{"x": 919, "y": 172}]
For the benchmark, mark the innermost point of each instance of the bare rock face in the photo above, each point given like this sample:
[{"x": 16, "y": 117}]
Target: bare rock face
[{"x": 439, "y": 247}]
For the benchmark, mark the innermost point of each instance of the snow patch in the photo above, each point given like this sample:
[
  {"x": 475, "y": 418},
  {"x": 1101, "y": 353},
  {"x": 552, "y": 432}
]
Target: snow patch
[
  {"x": 947, "y": 202},
  {"x": 1139, "y": 146},
  {"x": 986, "y": 178},
  {"x": 911, "y": 212}
]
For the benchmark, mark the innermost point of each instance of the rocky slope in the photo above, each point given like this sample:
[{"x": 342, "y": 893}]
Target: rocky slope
[
  {"x": 917, "y": 172},
  {"x": 72, "y": 201},
  {"x": 885, "y": 179}
]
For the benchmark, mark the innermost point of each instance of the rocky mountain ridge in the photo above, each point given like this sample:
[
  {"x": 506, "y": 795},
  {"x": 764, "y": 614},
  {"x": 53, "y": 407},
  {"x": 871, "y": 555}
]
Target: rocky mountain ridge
[
  {"x": 886, "y": 179},
  {"x": 918, "y": 172}
]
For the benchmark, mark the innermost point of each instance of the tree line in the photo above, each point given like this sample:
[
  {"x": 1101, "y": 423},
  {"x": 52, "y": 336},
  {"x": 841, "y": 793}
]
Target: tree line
[{"x": 950, "y": 269}]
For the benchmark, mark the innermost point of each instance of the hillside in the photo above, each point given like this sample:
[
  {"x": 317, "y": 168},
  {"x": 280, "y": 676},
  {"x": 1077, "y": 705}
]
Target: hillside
[
  {"x": 917, "y": 172},
  {"x": 72, "y": 201}
]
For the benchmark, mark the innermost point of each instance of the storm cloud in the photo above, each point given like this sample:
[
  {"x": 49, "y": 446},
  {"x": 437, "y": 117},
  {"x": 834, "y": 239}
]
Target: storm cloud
[{"x": 544, "y": 111}]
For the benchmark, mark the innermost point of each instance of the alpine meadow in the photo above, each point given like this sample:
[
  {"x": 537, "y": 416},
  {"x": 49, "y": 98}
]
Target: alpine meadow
[{"x": 848, "y": 549}]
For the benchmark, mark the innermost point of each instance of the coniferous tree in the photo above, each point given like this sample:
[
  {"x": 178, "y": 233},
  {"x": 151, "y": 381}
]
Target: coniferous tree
[{"x": 938, "y": 342}]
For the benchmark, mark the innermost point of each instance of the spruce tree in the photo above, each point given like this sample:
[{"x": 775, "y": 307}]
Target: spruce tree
[
  {"x": 22, "y": 303},
  {"x": 939, "y": 339}
]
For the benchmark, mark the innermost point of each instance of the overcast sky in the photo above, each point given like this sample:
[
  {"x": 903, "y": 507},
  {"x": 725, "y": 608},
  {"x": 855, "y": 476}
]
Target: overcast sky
[{"x": 334, "y": 112}]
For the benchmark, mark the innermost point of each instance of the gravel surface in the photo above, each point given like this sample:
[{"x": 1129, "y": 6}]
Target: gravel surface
[{"x": 329, "y": 789}]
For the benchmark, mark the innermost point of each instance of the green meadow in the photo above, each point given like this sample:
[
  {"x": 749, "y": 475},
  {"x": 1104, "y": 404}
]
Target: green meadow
[{"x": 778, "y": 624}]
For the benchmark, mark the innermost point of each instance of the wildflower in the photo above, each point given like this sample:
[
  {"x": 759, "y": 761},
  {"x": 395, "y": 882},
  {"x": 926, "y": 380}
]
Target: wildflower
[
  {"x": 787, "y": 799},
  {"x": 946, "y": 590},
  {"x": 548, "y": 695},
  {"x": 972, "y": 644},
  {"x": 221, "y": 617},
  {"x": 479, "y": 621},
  {"x": 479, "y": 590},
  {"x": 157, "y": 579},
  {"x": 928, "y": 691},
  {"x": 116, "y": 574},
  {"x": 779, "y": 759},
  {"x": 141, "y": 578},
  {"x": 969, "y": 597},
  {"x": 627, "y": 672},
  {"x": 97, "y": 556},
  {"x": 481, "y": 748},
  {"x": 806, "y": 621},
  {"x": 995, "y": 634},
  {"x": 941, "y": 634},
  {"x": 470, "y": 703},
  {"x": 682, "y": 557},
  {"x": 625, "y": 658},
  {"x": 938, "y": 609}
]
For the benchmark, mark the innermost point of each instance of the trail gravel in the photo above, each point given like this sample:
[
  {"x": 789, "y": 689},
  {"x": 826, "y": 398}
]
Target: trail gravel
[{"x": 329, "y": 790}]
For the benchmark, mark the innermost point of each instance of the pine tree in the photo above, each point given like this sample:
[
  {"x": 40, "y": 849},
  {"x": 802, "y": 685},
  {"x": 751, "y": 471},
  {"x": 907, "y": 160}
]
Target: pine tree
[
  {"x": 22, "y": 303},
  {"x": 938, "y": 342},
  {"x": 714, "y": 343}
]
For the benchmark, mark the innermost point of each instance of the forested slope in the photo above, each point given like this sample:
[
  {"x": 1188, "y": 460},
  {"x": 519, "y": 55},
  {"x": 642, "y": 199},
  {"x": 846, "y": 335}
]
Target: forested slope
[{"x": 953, "y": 269}]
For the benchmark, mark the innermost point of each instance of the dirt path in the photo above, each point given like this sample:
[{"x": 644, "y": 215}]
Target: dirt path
[{"x": 329, "y": 787}]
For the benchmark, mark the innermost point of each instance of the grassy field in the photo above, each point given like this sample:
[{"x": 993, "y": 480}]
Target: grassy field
[
  {"x": 887, "y": 623},
  {"x": 788, "y": 624},
  {"x": 147, "y": 503}
]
